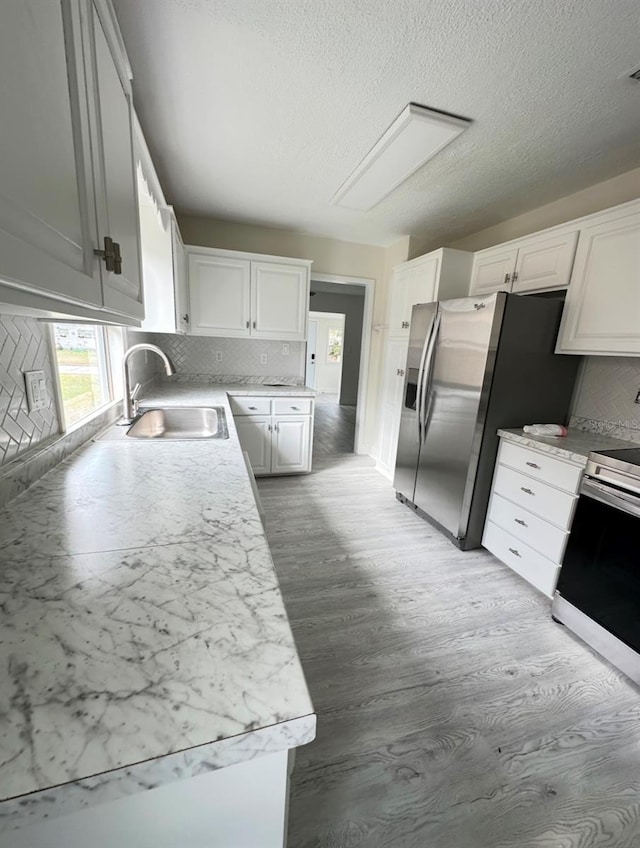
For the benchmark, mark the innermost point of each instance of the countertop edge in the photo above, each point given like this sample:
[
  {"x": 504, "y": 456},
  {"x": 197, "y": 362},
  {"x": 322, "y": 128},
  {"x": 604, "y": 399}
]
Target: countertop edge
[
  {"x": 47, "y": 804},
  {"x": 574, "y": 447}
]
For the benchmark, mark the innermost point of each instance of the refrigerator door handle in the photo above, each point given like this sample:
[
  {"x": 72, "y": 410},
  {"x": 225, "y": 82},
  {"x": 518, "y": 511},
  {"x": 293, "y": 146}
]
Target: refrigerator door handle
[
  {"x": 423, "y": 357},
  {"x": 426, "y": 378}
]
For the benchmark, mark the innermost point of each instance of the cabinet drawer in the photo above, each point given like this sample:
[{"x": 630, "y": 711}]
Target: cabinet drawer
[
  {"x": 541, "y": 466},
  {"x": 291, "y": 406},
  {"x": 250, "y": 405},
  {"x": 536, "y": 569},
  {"x": 543, "y": 537},
  {"x": 545, "y": 501}
]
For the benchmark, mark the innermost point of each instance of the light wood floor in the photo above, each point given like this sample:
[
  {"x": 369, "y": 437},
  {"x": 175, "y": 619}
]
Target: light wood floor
[
  {"x": 452, "y": 712},
  {"x": 333, "y": 429}
]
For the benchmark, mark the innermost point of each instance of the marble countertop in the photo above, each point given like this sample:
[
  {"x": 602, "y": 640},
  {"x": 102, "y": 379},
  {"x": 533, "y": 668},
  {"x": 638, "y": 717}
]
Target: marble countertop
[
  {"x": 143, "y": 636},
  {"x": 575, "y": 446}
]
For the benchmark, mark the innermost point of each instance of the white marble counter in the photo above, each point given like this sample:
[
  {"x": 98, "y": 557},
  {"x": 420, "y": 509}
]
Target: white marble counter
[
  {"x": 575, "y": 446},
  {"x": 143, "y": 636}
]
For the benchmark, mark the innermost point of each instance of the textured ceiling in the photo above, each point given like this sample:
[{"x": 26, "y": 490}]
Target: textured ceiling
[{"x": 257, "y": 110}]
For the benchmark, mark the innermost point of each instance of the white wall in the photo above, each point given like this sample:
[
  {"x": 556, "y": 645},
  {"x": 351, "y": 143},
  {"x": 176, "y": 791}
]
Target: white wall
[
  {"x": 600, "y": 196},
  {"x": 327, "y": 373}
]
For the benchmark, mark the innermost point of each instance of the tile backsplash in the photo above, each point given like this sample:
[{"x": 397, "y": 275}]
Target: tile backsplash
[
  {"x": 605, "y": 395},
  {"x": 203, "y": 356},
  {"x": 23, "y": 347}
]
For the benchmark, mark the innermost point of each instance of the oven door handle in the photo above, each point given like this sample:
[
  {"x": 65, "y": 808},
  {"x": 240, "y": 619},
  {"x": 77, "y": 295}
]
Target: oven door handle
[{"x": 611, "y": 497}]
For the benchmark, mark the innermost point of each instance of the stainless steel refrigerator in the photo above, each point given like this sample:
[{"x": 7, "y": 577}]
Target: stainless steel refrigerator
[{"x": 474, "y": 364}]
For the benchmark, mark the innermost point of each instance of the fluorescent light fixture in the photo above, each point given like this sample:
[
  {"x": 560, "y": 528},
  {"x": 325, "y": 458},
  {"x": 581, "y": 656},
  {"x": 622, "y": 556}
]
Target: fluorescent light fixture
[{"x": 415, "y": 136}]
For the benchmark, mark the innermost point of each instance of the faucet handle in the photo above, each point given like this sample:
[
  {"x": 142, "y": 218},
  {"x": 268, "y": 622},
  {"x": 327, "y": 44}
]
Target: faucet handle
[{"x": 135, "y": 391}]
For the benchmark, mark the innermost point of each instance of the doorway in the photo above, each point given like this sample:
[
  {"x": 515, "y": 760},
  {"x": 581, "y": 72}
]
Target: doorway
[{"x": 337, "y": 359}]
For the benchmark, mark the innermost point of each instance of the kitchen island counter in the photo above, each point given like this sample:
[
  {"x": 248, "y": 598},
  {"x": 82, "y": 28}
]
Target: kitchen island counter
[{"x": 144, "y": 636}]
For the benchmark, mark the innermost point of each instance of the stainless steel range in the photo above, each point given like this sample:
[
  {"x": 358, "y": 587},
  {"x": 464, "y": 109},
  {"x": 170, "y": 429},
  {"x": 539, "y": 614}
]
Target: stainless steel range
[{"x": 598, "y": 593}]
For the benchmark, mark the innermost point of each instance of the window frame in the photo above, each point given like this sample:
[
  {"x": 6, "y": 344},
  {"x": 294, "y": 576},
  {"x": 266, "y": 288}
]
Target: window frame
[{"x": 109, "y": 347}]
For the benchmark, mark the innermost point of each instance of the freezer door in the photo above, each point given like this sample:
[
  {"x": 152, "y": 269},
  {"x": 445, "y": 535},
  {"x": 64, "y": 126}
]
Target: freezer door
[
  {"x": 469, "y": 330},
  {"x": 422, "y": 322}
]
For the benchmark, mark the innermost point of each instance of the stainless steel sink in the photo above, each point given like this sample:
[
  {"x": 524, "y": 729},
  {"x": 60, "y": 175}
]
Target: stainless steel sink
[{"x": 181, "y": 422}]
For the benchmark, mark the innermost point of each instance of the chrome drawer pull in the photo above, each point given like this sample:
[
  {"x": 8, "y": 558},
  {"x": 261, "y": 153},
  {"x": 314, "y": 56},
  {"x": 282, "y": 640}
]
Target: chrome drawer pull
[
  {"x": 527, "y": 491},
  {"x": 533, "y": 465},
  {"x": 253, "y": 407},
  {"x": 295, "y": 407},
  {"x": 515, "y": 552},
  {"x": 520, "y": 521}
]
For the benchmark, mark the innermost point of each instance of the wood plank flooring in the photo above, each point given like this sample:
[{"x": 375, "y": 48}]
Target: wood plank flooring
[
  {"x": 333, "y": 429},
  {"x": 452, "y": 711}
]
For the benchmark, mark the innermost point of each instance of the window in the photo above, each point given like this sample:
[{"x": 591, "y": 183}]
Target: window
[
  {"x": 85, "y": 377},
  {"x": 334, "y": 346}
]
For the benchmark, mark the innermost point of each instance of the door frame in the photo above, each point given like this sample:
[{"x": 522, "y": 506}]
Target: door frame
[
  {"x": 368, "y": 285},
  {"x": 311, "y": 321}
]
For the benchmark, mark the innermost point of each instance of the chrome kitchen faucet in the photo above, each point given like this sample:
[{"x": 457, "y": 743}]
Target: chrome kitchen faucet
[{"x": 129, "y": 407}]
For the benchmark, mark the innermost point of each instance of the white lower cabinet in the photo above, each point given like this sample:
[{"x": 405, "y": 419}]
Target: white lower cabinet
[
  {"x": 530, "y": 512},
  {"x": 276, "y": 433},
  {"x": 241, "y": 806}
]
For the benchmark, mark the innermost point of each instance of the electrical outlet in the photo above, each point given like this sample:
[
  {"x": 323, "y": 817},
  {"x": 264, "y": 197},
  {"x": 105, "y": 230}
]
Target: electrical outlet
[
  {"x": 218, "y": 356},
  {"x": 36, "y": 384},
  {"x": 263, "y": 359},
  {"x": 285, "y": 349}
]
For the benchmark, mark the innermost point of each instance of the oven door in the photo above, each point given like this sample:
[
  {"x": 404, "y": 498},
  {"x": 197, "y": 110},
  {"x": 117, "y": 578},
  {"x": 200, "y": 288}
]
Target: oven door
[{"x": 600, "y": 573}]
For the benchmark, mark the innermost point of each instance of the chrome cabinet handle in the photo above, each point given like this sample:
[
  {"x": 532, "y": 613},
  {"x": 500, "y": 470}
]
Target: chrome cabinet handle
[
  {"x": 400, "y": 372},
  {"x": 520, "y": 521},
  {"x": 253, "y": 407},
  {"x": 506, "y": 278},
  {"x": 248, "y": 324},
  {"x": 254, "y": 325},
  {"x": 296, "y": 408},
  {"x": 514, "y": 277},
  {"x": 515, "y": 552},
  {"x": 405, "y": 325},
  {"x": 527, "y": 491},
  {"x": 269, "y": 427},
  {"x": 533, "y": 465}
]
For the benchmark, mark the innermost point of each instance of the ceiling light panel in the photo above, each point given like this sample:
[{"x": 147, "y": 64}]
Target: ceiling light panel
[{"x": 413, "y": 138}]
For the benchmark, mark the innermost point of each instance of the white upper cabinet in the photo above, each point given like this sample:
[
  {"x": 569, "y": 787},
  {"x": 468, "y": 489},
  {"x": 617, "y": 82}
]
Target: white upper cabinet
[
  {"x": 47, "y": 232},
  {"x": 219, "y": 295},
  {"x": 492, "y": 270},
  {"x": 545, "y": 263},
  {"x": 602, "y": 310},
  {"x": 537, "y": 263},
  {"x": 114, "y": 166},
  {"x": 164, "y": 258},
  {"x": 279, "y": 300},
  {"x": 438, "y": 275},
  {"x": 66, "y": 171},
  {"x": 235, "y": 294}
]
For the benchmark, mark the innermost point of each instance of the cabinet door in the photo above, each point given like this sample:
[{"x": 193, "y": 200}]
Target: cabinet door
[
  {"x": 392, "y": 388},
  {"x": 291, "y": 444},
  {"x": 254, "y": 432},
  {"x": 492, "y": 270},
  {"x": 545, "y": 263},
  {"x": 219, "y": 294},
  {"x": 114, "y": 164},
  {"x": 602, "y": 310},
  {"x": 279, "y": 301},
  {"x": 411, "y": 285},
  {"x": 47, "y": 230},
  {"x": 180, "y": 279}
]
